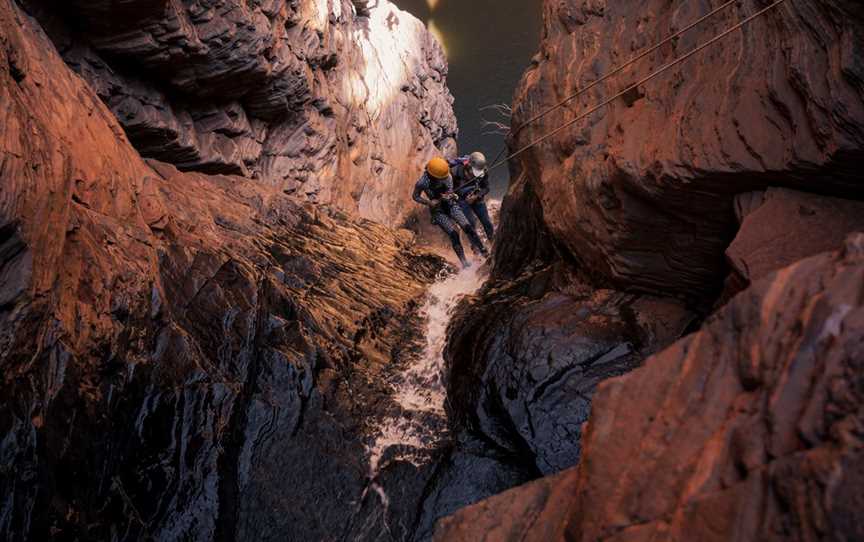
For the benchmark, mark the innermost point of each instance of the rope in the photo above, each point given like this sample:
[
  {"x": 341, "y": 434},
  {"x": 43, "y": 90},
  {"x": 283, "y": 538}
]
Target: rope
[
  {"x": 621, "y": 68},
  {"x": 615, "y": 71},
  {"x": 642, "y": 81}
]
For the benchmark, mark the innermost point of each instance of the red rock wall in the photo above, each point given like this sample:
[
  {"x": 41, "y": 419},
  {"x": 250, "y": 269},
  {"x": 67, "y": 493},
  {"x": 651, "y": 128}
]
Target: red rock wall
[
  {"x": 182, "y": 356},
  {"x": 328, "y": 103},
  {"x": 741, "y": 162},
  {"x": 641, "y": 192}
]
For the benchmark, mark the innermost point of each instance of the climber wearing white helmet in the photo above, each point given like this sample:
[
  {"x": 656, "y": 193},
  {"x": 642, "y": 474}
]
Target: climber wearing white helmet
[{"x": 471, "y": 180}]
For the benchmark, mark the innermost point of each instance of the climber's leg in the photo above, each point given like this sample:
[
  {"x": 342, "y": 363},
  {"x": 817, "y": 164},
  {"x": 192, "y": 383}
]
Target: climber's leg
[
  {"x": 466, "y": 209},
  {"x": 480, "y": 210},
  {"x": 460, "y": 218},
  {"x": 443, "y": 221}
]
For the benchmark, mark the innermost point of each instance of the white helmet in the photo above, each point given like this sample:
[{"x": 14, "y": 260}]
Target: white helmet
[{"x": 477, "y": 163}]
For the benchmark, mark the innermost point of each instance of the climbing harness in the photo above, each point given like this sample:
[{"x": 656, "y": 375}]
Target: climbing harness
[{"x": 497, "y": 163}]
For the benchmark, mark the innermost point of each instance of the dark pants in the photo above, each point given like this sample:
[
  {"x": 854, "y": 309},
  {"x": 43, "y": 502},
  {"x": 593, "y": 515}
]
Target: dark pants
[
  {"x": 449, "y": 217},
  {"x": 478, "y": 211}
]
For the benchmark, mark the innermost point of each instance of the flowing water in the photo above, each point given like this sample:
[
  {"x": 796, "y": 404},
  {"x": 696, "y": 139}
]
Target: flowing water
[
  {"x": 417, "y": 427},
  {"x": 420, "y": 423},
  {"x": 419, "y": 391}
]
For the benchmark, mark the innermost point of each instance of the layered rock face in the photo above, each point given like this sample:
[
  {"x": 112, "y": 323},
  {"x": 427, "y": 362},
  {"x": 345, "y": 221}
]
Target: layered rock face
[
  {"x": 184, "y": 356},
  {"x": 749, "y": 429},
  {"x": 526, "y": 357},
  {"x": 692, "y": 195},
  {"x": 319, "y": 98},
  {"x": 641, "y": 192}
]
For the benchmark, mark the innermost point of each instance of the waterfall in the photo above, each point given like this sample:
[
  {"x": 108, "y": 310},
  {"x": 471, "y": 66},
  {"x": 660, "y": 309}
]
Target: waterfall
[{"x": 419, "y": 390}]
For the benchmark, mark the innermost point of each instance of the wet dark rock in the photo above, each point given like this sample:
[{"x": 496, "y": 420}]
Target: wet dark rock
[
  {"x": 748, "y": 429},
  {"x": 470, "y": 472},
  {"x": 15, "y": 264},
  {"x": 525, "y": 358}
]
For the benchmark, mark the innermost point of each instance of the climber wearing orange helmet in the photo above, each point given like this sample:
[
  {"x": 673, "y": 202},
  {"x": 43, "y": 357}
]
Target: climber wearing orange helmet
[{"x": 437, "y": 185}]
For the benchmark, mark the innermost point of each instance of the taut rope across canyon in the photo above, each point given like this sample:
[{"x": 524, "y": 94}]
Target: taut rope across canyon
[{"x": 499, "y": 162}]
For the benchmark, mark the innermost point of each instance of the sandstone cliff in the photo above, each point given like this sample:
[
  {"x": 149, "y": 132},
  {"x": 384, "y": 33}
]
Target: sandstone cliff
[
  {"x": 329, "y": 100},
  {"x": 188, "y": 355},
  {"x": 624, "y": 232}
]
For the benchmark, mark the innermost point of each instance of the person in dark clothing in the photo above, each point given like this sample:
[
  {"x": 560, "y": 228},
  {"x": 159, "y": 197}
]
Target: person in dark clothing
[
  {"x": 471, "y": 179},
  {"x": 437, "y": 185}
]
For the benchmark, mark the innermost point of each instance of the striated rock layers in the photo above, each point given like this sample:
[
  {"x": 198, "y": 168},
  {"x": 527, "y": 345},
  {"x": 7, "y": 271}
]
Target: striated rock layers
[
  {"x": 184, "y": 356},
  {"x": 749, "y": 429},
  {"x": 625, "y": 231},
  {"x": 641, "y": 192},
  {"x": 319, "y": 98}
]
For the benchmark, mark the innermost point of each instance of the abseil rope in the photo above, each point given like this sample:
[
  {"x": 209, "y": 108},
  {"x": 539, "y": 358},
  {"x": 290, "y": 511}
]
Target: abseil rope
[
  {"x": 621, "y": 68},
  {"x": 615, "y": 71},
  {"x": 636, "y": 85}
]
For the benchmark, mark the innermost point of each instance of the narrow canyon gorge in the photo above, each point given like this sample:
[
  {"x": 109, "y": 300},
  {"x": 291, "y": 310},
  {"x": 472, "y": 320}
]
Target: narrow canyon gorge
[{"x": 222, "y": 317}]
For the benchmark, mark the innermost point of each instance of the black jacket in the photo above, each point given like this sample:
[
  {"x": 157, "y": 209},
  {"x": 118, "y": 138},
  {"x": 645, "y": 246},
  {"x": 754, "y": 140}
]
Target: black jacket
[
  {"x": 465, "y": 183},
  {"x": 434, "y": 189}
]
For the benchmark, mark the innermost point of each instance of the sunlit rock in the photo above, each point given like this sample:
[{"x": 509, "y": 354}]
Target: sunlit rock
[
  {"x": 287, "y": 94},
  {"x": 186, "y": 356}
]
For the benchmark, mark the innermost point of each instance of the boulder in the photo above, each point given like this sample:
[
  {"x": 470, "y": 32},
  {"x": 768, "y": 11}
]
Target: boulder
[
  {"x": 641, "y": 193},
  {"x": 525, "y": 357},
  {"x": 749, "y": 429},
  {"x": 781, "y": 226}
]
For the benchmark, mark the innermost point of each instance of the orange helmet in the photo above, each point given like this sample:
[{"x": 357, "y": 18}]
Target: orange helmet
[{"x": 438, "y": 168}]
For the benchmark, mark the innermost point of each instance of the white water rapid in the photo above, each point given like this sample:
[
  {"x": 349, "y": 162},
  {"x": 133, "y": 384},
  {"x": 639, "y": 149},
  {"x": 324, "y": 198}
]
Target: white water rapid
[{"x": 419, "y": 390}]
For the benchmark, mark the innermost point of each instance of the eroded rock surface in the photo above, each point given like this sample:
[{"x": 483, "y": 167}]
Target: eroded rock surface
[
  {"x": 184, "y": 356},
  {"x": 526, "y": 357},
  {"x": 781, "y": 226},
  {"x": 616, "y": 238},
  {"x": 641, "y": 192},
  {"x": 749, "y": 429},
  {"x": 329, "y": 100}
]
